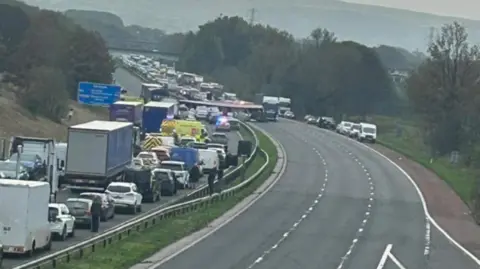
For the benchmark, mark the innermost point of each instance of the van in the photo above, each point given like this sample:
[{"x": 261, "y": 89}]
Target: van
[
  {"x": 367, "y": 132},
  {"x": 209, "y": 158}
]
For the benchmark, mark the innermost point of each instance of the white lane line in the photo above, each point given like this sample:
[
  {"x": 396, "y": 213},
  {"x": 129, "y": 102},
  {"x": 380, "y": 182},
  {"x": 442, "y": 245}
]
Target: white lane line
[
  {"x": 387, "y": 254},
  {"x": 367, "y": 214},
  {"x": 428, "y": 218},
  {"x": 303, "y": 217}
]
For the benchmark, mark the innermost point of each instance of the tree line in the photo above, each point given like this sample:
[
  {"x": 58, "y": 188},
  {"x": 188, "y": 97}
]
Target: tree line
[
  {"x": 322, "y": 75},
  {"x": 444, "y": 92},
  {"x": 46, "y": 55}
]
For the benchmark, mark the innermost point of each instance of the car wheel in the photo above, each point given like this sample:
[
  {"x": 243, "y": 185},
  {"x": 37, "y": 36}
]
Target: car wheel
[
  {"x": 134, "y": 209},
  {"x": 63, "y": 236}
]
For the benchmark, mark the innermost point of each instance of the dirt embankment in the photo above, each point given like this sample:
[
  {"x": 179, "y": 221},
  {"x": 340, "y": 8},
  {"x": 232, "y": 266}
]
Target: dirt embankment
[{"x": 15, "y": 120}]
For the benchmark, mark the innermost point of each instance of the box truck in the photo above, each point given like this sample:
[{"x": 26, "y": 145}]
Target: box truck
[
  {"x": 97, "y": 154},
  {"x": 25, "y": 224},
  {"x": 154, "y": 113}
]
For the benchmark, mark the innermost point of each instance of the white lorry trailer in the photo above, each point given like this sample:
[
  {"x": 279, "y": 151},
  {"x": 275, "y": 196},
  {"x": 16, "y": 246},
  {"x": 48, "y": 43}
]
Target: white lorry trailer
[
  {"x": 97, "y": 154},
  {"x": 24, "y": 216}
]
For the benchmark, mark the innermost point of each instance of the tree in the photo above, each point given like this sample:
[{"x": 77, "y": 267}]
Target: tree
[
  {"x": 320, "y": 36},
  {"x": 443, "y": 88},
  {"x": 45, "y": 93}
]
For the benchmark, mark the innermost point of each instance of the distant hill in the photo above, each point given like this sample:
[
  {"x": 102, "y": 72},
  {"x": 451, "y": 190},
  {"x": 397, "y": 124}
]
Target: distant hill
[
  {"x": 371, "y": 25},
  {"x": 119, "y": 35}
]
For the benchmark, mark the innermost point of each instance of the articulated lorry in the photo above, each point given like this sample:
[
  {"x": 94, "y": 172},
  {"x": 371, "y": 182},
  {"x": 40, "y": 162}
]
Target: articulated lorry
[{"x": 97, "y": 154}]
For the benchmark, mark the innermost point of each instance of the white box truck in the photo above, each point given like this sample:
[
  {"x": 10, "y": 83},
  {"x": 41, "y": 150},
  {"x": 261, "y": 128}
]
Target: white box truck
[
  {"x": 24, "y": 216},
  {"x": 97, "y": 154}
]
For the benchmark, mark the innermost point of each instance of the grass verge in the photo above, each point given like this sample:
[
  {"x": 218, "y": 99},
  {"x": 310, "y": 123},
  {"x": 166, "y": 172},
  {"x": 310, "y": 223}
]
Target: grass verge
[
  {"x": 140, "y": 245},
  {"x": 460, "y": 178}
]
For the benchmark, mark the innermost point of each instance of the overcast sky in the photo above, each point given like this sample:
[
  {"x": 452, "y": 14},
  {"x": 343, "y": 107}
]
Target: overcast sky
[{"x": 455, "y": 8}]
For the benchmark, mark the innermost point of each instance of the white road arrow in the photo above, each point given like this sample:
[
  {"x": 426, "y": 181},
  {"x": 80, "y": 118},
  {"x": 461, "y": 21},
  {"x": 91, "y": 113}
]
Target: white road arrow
[{"x": 387, "y": 254}]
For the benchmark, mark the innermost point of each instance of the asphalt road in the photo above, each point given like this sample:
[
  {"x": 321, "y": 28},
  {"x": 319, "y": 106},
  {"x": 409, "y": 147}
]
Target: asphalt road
[
  {"x": 365, "y": 204},
  {"x": 122, "y": 77}
]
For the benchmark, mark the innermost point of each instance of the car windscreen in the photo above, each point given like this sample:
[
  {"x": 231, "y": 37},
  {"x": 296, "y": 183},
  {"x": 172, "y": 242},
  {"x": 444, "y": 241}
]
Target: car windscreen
[
  {"x": 119, "y": 189},
  {"x": 53, "y": 212},
  {"x": 368, "y": 130},
  {"x": 356, "y": 127},
  {"x": 77, "y": 205},
  {"x": 347, "y": 124}
]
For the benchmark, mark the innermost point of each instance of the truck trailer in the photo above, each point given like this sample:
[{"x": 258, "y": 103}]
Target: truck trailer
[
  {"x": 154, "y": 113},
  {"x": 97, "y": 154},
  {"x": 24, "y": 216},
  {"x": 127, "y": 111}
]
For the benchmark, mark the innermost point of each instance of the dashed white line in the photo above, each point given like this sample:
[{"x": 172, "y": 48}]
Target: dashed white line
[
  {"x": 371, "y": 200},
  {"x": 303, "y": 217}
]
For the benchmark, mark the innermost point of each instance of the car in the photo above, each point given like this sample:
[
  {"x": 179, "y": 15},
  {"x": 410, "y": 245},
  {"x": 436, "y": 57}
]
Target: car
[
  {"x": 167, "y": 181},
  {"x": 219, "y": 146},
  {"x": 8, "y": 170},
  {"x": 219, "y": 138},
  {"x": 197, "y": 145},
  {"x": 33, "y": 164},
  {"x": 185, "y": 140},
  {"x": 289, "y": 115},
  {"x": 182, "y": 175},
  {"x": 234, "y": 124},
  {"x": 354, "y": 130},
  {"x": 343, "y": 127},
  {"x": 108, "y": 204},
  {"x": 201, "y": 113},
  {"x": 126, "y": 196},
  {"x": 80, "y": 208},
  {"x": 222, "y": 127},
  {"x": 62, "y": 223},
  {"x": 148, "y": 158}
]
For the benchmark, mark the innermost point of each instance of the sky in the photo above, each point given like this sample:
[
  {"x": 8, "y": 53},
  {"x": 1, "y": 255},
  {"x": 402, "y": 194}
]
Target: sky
[{"x": 456, "y": 8}]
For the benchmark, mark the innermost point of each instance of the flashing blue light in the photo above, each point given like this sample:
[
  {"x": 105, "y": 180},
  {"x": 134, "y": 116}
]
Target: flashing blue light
[
  {"x": 170, "y": 117},
  {"x": 221, "y": 120}
]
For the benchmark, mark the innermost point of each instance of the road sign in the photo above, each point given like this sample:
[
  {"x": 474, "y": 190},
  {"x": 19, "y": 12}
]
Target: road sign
[{"x": 98, "y": 94}]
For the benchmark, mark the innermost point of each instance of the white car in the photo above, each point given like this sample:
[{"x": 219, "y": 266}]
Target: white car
[
  {"x": 343, "y": 127},
  {"x": 180, "y": 170},
  {"x": 185, "y": 140},
  {"x": 62, "y": 224},
  {"x": 354, "y": 130},
  {"x": 201, "y": 113},
  {"x": 125, "y": 195},
  {"x": 148, "y": 158}
]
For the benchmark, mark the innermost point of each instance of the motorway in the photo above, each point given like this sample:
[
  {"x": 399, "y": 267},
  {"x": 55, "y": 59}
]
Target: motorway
[
  {"x": 337, "y": 206},
  {"x": 123, "y": 78}
]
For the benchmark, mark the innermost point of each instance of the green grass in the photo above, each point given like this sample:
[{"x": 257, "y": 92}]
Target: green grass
[
  {"x": 460, "y": 178},
  {"x": 140, "y": 245}
]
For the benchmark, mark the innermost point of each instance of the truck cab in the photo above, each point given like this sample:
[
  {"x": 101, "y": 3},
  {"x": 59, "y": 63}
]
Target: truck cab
[{"x": 46, "y": 149}]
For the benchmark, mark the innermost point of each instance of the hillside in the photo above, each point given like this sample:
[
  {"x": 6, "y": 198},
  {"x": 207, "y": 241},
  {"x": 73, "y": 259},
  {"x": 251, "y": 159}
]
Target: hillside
[
  {"x": 16, "y": 120},
  {"x": 371, "y": 25}
]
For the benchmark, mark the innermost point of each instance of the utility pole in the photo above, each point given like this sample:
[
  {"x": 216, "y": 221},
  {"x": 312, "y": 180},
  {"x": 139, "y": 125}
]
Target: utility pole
[{"x": 252, "y": 15}]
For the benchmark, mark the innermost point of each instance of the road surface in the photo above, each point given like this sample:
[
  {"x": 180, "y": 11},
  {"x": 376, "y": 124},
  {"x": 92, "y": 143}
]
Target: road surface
[
  {"x": 338, "y": 205},
  {"x": 82, "y": 234}
]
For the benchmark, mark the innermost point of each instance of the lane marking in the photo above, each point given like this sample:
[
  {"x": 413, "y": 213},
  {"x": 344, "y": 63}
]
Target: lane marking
[
  {"x": 425, "y": 207},
  {"x": 305, "y": 214},
  {"x": 388, "y": 254},
  {"x": 236, "y": 214},
  {"x": 368, "y": 212}
]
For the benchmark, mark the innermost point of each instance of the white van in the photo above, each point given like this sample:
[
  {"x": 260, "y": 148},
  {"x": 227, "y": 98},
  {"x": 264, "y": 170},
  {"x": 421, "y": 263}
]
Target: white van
[
  {"x": 368, "y": 132},
  {"x": 209, "y": 158}
]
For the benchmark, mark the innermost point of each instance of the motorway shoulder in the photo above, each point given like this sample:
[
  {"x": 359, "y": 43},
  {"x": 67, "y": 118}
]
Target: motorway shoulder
[{"x": 83, "y": 234}]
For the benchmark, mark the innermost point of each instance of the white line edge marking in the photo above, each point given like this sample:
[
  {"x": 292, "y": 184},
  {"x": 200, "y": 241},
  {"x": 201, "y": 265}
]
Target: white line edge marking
[
  {"x": 304, "y": 216},
  {"x": 247, "y": 206},
  {"x": 425, "y": 207},
  {"x": 396, "y": 261}
]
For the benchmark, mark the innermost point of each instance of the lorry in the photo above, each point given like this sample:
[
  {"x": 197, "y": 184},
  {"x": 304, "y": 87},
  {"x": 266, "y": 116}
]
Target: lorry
[
  {"x": 154, "y": 92},
  {"x": 97, "y": 154},
  {"x": 26, "y": 226},
  {"x": 46, "y": 149},
  {"x": 271, "y": 110},
  {"x": 129, "y": 111},
  {"x": 284, "y": 105},
  {"x": 154, "y": 113}
]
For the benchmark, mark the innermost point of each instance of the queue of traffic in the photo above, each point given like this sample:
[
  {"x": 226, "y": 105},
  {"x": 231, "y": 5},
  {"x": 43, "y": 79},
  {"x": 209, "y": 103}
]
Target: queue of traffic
[{"x": 361, "y": 131}]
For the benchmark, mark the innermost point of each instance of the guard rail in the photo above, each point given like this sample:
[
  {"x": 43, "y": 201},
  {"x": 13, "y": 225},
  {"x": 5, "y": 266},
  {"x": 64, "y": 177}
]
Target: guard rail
[{"x": 195, "y": 200}]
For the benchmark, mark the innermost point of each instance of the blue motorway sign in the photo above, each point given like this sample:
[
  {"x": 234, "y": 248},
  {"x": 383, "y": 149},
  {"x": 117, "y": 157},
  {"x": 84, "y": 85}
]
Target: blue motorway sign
[{"x": 98, "y": 94}]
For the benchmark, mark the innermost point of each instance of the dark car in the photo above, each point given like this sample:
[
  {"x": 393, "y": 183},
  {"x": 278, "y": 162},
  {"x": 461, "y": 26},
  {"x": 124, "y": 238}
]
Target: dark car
[
  {"x": 147, "y": 185},
  {"x": 34, "y": 165},
  {"x": 108, "y": 205},
  {"x": 326, "y": 123}
]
